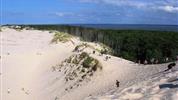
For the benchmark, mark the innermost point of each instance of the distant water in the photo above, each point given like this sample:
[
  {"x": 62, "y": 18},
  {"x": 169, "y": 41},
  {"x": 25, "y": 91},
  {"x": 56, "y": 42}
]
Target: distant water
[{"x": 131, "y": 27}]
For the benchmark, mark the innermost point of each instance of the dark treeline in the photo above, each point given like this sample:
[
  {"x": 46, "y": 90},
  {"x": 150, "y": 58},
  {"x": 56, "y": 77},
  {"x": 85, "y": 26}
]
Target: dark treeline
[{"x": 134, "y": 45}]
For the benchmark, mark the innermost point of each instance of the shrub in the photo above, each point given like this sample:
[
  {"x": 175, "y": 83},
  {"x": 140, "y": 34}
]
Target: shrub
[
  {"x": 92, "y": 63},
  {"x": 83, "y": 55},
  {"x": 83, "y": 70},
  {"x": 83, "y": 76},
  {"x": 69, "y": 60},
  {"x": 88, "y": 62},
  {"x": 79, "y": 46},
  {"x": 60, "y": 37},
  {"x": 75, "y": 61}
]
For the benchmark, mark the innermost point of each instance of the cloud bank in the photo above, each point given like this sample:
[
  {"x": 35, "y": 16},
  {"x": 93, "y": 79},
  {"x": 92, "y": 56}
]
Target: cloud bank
[{"x": 170, "y": 6}]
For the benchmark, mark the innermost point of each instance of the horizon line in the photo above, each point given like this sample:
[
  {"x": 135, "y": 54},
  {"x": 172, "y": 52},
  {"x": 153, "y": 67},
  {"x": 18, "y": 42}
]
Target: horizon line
[{"x": 90, "y": 24}]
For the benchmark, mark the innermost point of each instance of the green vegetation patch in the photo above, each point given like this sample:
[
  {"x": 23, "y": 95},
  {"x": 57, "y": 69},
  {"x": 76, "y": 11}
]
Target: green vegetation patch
[
  {"x": 82, "y": 68},
  {"x": 92, "y": 63},
  {"x": 61, "y": 37},
  {"x": 83, "y": 55},
  {"x": 89, "y": 62}
]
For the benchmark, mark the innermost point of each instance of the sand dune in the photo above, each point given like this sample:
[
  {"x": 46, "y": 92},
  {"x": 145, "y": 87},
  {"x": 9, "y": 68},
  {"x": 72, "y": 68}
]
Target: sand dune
[{"x": 27, "y": 69}]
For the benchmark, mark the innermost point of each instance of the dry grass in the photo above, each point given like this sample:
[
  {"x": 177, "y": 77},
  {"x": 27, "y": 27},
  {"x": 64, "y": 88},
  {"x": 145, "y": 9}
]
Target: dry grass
[
  {"x": 83, "y": 45},
  {"x": 61, "y": 37},
  {"x": 105, "y": 49}
]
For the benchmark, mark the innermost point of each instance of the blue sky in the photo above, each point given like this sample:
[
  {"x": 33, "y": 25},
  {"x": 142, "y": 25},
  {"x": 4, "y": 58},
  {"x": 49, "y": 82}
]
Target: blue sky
[{"x": 89, "y": 11}]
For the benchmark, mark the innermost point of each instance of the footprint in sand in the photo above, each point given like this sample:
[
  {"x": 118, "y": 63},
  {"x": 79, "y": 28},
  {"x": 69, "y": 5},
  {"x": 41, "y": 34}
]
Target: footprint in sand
[
  {"x": 38, "y": 53},
  {"x": 8, "y": 90},
  {"x": 8, "y": 53},
  {"x": 56, "y": 98},
  {"x": 25, "y": 91}
]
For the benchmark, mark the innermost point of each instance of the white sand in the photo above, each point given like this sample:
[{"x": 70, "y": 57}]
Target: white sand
[
  {"x": 146, "y": 90},
  {"x": 24, "y": 58},
  {"x": 27, "y": 58}
]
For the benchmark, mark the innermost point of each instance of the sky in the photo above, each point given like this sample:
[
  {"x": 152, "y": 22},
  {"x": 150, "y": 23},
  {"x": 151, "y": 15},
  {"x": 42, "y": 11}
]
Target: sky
[{"x": 162, "y": 12}]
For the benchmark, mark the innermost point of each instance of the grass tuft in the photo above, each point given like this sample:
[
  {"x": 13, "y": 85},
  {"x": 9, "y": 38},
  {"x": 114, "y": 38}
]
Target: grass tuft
[
  {"x": 92, "y": 63},
  {"x": 61, "y": 37}
]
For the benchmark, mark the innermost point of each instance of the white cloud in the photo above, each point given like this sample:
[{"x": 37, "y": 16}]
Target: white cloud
[
  {"x": 89, "y": 1},
  {"x": 64, "y": 14},
  {"x": 71, "y": 15},
  {"x": 170, "y": 9},
  {"x": 126, "y": 3},
  {"x": 60, "y": 14},
  {"x": 170, "y": 6},
  {"x": 133, "y": 3}
]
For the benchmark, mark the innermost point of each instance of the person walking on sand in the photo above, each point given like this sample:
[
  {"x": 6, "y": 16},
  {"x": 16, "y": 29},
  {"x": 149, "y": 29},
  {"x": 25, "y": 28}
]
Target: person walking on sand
[
  {"x": 170, "y": 66},
  {"x": 117, "y": 83}
]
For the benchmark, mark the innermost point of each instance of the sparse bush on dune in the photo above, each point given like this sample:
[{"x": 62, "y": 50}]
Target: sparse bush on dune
[
  {"x": 60, "y": 37},
  {"x": 83, "y": 76},
  {"x": 89, "y": 62},
  {"x": 83, "y": 55},
  {"x": 78, "y": 47},
  {"x": 18, "y": 28},
  {"x": 0, "y": 29},
  {"x": 105, "y": 49},
  {"x": 81, "y": 68},
  {"x": 76, "y": 61},
  {"x": 92, "y": 63},
  {"x": 69, "y": 60}
]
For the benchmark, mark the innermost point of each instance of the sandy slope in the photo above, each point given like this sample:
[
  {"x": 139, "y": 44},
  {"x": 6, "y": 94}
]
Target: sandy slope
[
  {"x": 23, "y": 60},
  {"x": 162, "y": 86},
  {"x": 27, "y": 59}
]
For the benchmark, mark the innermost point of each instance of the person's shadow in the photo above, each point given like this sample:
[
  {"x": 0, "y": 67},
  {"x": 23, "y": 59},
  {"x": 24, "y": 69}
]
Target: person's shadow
[{"x": 162, "y": 86}]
